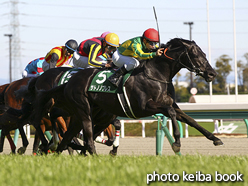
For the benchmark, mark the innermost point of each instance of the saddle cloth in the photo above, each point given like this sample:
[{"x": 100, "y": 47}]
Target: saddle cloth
[{"x": 101, "y": 84}]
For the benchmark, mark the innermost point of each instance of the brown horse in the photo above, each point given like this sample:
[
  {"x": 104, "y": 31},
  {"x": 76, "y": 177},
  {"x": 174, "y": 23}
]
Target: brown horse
[
  {"x": 6, "y": 126},
  {"x": 10, "y": 121},
  {"x": 2, "y": 110}
]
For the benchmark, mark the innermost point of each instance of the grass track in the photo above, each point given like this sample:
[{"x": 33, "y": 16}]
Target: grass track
[{"x": 104, "y": 170}]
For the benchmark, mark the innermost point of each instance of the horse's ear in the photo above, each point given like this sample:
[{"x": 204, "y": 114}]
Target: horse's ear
[{"x": 163, "y": 45}]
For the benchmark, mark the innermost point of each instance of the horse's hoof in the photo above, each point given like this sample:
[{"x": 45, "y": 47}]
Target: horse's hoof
[
  {"x": 218, "y": 143},
  {"x": 21, "y": 150},
  {"x": 175, "y": 147},
  {"x": 83, "y": 153},
  {"x": 43, "y": 150},
  {"x": 112, "y": 153}
]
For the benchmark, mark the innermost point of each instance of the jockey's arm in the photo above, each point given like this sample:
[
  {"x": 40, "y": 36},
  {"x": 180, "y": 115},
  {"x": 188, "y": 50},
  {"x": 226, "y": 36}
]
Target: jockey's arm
[
  {"x": 54, "y": 59},
  {"x": 141, "y": 54},
  {"x": 94, "y": 50}
]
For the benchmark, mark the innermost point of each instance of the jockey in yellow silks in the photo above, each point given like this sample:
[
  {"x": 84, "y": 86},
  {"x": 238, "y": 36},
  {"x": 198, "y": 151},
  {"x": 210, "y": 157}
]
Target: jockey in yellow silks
[{"x": 58, "y": 56}]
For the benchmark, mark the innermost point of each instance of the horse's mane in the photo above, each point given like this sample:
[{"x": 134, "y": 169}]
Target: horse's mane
[{"x": 179, "y": 41}]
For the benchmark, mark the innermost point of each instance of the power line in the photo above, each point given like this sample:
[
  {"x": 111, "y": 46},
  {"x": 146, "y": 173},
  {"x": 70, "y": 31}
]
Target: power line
[
  {"x": 123, "y": 19},
  {"x": 129, "y": 8}
]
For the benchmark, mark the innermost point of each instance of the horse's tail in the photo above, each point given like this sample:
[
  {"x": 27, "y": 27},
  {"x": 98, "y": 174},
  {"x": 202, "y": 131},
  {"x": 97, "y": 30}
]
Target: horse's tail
[
  {"x": 2, "y": 92},
  {"x": 3, "y": 107},
  {"x": 27, "y": 92}
]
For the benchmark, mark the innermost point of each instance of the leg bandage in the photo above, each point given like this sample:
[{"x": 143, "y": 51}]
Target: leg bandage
[
  {"x": 80, "y": 135},
  {"x": 100, "y": 140},
  {"x": 117, "y": 138}
]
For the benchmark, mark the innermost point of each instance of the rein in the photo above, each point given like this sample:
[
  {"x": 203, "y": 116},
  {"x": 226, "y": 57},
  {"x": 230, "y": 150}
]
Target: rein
[{"x": 194, "y": 69}]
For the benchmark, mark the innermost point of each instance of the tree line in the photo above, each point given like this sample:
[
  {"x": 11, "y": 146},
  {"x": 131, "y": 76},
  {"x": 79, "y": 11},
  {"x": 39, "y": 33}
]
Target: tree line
[{"x": 219, "y": 85}]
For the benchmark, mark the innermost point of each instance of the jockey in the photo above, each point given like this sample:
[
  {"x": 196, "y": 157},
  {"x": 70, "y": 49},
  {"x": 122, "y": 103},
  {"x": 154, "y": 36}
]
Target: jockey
[
  {"x": 88, "y": 52},
  {"x": 104, "y": 34},
  {"x": 59, "y": 55},
  {"x": 34, "y": 68},
  {"x": 127, "y": 55},
  {"x": 105, "y": 56}
]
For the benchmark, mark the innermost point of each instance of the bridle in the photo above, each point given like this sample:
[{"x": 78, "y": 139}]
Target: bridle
[{"x": 193, "y": 68}]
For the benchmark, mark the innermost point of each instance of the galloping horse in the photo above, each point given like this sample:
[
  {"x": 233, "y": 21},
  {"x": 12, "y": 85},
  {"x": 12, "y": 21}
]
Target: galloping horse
[
  {"x": 2, "y": 110},
  {"x": 149, "y": 90},
  {"x": 8, "y": 122},
  {"x": 46, "y": 81},
  {"x": 10, "y": 118}
]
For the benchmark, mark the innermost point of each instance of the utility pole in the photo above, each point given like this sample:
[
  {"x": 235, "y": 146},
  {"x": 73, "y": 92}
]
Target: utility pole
[
  {"x": 10, "y": 66},
  {"x": 190, "y": 38},
  {"x": 16, "y": 48}
]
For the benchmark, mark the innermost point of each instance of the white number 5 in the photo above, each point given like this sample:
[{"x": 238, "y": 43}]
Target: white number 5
[{"x": 102, "y": 75}]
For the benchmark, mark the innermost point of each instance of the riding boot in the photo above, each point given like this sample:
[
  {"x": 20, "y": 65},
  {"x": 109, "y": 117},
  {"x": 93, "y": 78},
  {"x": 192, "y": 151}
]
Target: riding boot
[{"x": 115, "y": 78}]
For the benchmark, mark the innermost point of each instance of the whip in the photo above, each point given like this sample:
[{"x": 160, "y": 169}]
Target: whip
[{"x": 157, "y": 25}]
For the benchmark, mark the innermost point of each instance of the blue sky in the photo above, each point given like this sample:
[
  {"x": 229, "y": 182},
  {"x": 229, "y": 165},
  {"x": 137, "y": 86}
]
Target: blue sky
[{"x": 46, "y": 24}]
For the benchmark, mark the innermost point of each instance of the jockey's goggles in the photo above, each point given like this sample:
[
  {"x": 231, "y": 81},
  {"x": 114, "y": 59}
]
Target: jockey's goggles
[
  {"x": 152, "y": 43},
  {"x": 71, "y": 51},
  {"x": 111, "y": 48}
]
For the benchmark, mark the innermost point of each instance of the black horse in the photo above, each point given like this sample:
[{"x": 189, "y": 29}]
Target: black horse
[
  {"x": 46, "y": 81},
  {"x": 149, "y": 90}
]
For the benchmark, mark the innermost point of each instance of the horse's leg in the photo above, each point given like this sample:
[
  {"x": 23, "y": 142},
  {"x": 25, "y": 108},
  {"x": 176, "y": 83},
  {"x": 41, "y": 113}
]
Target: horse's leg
[
  {"x": 2, "y": 140},
  {"x": 53, "y": 146},
  {"x": 70, "y": 149},
  {"x": 168, "y": 111},
  {"x": 176, "y": 133},
  {"x": 11, "y": 142},
  {"x": 76, "y": 145},
  {"x": 117, "y": 125},
  {"x": 83, "y": 114},
  {"x": 181, "y": 116},
  {"x": 72, "y": 130},
  {"x": 88, "y": 136},
  {"x": 56, "y": 115},
  {"x": 25, "y": 143},
  {"x": 36, "y": 143},
  {"x": 110, "y": 134},
  {"x": 108, "y": 130},
  {"x": 44, "y": 145}
]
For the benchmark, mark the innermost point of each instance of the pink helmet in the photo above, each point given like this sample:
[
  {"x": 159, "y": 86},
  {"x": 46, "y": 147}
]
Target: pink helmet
[{"x": 104, "y": 34}]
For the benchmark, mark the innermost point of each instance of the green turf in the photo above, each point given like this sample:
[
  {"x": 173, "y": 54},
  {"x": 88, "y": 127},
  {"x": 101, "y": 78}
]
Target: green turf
[{"x": 104, "y": 170}]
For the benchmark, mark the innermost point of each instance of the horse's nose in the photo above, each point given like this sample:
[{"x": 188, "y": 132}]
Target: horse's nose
[{"x": 212, "y": 75}]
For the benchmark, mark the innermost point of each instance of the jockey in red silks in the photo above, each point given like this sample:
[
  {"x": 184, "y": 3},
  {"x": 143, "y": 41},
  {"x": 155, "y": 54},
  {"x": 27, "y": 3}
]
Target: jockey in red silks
[{"x": 88, "y": 52}]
